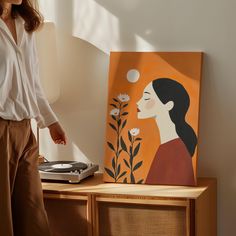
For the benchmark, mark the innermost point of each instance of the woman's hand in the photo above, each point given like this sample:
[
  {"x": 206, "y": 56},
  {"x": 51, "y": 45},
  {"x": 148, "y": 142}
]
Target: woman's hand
[{"x": 57, "y": 133}]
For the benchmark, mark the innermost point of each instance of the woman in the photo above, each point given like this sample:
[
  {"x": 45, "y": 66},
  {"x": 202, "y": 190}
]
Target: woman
[
  {"x": 167, "y": 102},
  {"x": 22, "y": 209}
]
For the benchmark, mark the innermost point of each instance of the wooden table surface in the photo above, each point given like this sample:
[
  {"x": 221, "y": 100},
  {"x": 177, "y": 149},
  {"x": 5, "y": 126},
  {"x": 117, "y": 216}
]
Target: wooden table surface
[{"x": 95, "y": 184}]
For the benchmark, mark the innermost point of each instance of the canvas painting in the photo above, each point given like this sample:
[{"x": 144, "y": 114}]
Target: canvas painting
[{"x": 152, "y": 118}]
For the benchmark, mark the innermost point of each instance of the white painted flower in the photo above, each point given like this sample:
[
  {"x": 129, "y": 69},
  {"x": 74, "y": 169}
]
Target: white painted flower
[
  {"x": 134, "y": 131},
  {"x": 123, "y": 97},
  {"x": 115, "y": 112}
]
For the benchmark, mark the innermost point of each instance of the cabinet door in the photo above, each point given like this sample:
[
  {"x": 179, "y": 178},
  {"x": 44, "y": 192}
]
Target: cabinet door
[
  {"x": 126, "y": 219},
  {"x": 68, "y": 217}
]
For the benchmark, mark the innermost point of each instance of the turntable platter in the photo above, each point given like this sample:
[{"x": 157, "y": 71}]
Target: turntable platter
[{"x": 62, "y": 166}]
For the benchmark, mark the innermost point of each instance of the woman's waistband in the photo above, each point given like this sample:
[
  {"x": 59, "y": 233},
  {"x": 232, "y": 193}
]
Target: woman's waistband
[{"x": 16, "y": 122}]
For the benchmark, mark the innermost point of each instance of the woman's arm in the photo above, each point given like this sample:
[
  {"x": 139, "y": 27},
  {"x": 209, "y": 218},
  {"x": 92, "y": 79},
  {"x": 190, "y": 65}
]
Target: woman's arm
[{"x": 47, "y": 117}]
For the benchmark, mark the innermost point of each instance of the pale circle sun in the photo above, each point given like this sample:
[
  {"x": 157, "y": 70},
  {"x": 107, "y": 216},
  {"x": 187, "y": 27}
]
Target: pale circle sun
[{"x": 133, "y": 75}]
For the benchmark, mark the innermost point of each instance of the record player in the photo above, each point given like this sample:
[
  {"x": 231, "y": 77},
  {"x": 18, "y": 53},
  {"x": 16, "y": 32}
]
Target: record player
[{"x": 71, "y": 171}]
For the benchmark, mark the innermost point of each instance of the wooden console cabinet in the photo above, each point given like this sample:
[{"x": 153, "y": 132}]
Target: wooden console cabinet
[{"x": 95, "y": 208}]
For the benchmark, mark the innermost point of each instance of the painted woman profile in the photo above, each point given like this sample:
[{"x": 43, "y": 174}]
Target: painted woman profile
[{"x": 167, "y": 102}]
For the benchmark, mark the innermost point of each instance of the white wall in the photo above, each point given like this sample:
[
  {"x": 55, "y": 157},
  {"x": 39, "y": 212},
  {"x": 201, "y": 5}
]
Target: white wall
[
  {"x": 162, "y": 25},
  {"x": 81, "y": 107}
]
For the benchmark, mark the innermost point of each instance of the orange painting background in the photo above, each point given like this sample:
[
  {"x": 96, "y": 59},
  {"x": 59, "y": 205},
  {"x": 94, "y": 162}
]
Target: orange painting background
[{"x": 184, "y": 67}]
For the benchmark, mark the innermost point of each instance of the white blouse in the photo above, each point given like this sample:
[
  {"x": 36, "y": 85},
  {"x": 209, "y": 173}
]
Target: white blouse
[{"x": 21, "y": 94}]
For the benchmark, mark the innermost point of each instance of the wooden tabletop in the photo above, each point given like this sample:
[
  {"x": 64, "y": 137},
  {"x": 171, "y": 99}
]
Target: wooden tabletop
[{"x": 96, "y": 185}]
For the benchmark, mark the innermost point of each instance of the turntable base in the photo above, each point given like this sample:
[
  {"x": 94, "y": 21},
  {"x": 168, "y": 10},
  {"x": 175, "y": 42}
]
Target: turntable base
[{"x": 70, "y": 171}]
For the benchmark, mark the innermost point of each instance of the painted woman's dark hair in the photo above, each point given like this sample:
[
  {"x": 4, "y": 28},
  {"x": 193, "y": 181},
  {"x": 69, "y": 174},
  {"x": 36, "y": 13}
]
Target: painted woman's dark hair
[
  {"x": 26, "y": 10},
  {"x": 170, "y": 90}
]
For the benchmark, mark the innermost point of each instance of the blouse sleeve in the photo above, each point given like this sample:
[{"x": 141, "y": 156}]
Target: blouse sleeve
[{"x": 47, "y": 116}]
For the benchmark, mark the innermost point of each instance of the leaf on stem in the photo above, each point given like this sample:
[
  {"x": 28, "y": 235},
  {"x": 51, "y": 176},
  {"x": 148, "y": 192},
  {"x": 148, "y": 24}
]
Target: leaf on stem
[
  {"x": 125, "y": 113},
  {"x": 118, "y": 170},
  {"x": 113, "y": 163},
  {"x": 113, "y": 105},
  {"x": 137, "y": 165},
  {"x": 113, "y": 126},
  {"x": 123, "y": 145},
  {"x": 111, "y": 146},
  {"x": 126, "y": 163},
  {"x": 140, "y": 181},
  {"x": 130, "y": 136},
  {"x": 136, "y": 149},
  {"x": 109, "y": 172},
  {"x": 125, "y": 105},
  {"x": 138, "y": 139},
  {"x": 121, "y": 175},
  {"x": 115, "y": 99},
  {"x": 113, "y": 117},
  {"x": 124, "y": 123}
]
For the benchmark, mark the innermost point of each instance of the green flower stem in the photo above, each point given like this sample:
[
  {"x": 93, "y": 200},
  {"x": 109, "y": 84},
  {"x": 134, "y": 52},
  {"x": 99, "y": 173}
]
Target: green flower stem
[
  {"x": 118, "y": 142},
  {"x": 131, "y": 156}
]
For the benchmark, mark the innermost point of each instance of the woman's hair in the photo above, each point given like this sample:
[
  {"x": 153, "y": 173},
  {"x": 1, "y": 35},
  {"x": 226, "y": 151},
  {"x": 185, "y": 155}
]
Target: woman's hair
[
  {"x": 26, "y": 10},
  {"x": 170, "y": 90}
]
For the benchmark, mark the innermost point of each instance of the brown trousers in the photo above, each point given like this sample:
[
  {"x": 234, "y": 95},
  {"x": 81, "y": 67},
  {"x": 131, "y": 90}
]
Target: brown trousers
[{"x": 22, "y": 211}]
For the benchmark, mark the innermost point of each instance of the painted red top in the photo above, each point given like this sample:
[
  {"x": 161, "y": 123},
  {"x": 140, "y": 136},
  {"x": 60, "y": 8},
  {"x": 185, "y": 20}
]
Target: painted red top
[{"x": 172, "y": 165}]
